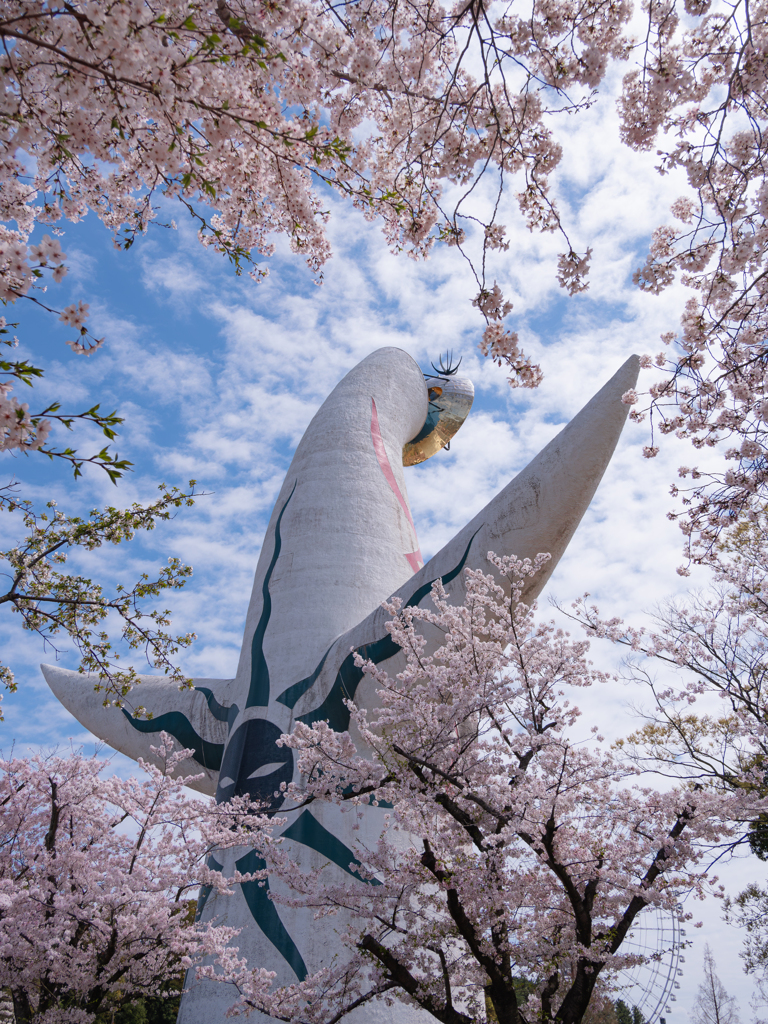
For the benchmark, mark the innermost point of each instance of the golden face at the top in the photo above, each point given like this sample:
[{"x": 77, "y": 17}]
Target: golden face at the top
[{"x": 450, "y": 399}]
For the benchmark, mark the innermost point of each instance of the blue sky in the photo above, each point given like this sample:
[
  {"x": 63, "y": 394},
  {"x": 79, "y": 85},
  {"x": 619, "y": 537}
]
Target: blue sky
[{"x": 217, "y": 378}]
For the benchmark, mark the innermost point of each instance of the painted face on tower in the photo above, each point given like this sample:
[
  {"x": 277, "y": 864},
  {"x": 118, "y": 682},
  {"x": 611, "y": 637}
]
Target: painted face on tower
[{"x": 254, "y": 765}]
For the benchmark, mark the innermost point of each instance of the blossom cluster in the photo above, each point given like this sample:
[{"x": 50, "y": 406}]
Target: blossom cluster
[
  {"x": 502, "y": 345},
  {"x": 17, "y": 428},
  {"x": 21, "y": 263}
]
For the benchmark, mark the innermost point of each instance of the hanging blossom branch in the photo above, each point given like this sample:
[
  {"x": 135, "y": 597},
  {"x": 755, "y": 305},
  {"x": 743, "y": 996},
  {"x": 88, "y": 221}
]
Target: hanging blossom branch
[
  {"x": 702, "y": 84},
  {"x": 244, "y": 108},
  {"x": 53, "y": 603},
  {"x": 26, "y": 432}
]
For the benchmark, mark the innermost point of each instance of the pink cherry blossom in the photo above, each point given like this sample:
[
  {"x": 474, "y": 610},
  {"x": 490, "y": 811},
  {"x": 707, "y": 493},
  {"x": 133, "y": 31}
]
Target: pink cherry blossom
[
  {"x": 511, "y": 846},
  {"x": 75, "y": 315},
  {"x": 95, "y": 877},
  {"x": 249, "y": 108}
]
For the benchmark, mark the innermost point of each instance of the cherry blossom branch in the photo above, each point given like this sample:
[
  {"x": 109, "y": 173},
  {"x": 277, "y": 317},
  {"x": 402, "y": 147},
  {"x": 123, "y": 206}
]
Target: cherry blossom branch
[{"x": 52, "y": 602}]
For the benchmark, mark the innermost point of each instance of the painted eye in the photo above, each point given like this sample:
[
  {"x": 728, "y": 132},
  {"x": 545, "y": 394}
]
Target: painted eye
[
  {"x": 267, "y": 769},
  {"x": 254, "y": 765}
]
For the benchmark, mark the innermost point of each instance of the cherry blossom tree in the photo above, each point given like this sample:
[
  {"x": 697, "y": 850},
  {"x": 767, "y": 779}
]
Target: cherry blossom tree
[
  {"x": 708, "y": 712},
  {"x": 245, "y": 110},
  {"x": 709, "y": 707},
  {"x": 95, "y": 877},
  {"x": 515, "y": 847}
]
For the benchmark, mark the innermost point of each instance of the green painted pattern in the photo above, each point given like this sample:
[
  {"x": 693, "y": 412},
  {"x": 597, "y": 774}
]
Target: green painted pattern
[
  {"x": 206, "y": 890},
  {"x": 265, "y": 914},
  {"x": 333, "y": 709},
  {"x": 258, "y": 694},
  {"x": 308, "y": 831},
  {"x": 290, "y": 696},
  {"x": 179, "y": 726},
  {"x": 220, "y": 712}
]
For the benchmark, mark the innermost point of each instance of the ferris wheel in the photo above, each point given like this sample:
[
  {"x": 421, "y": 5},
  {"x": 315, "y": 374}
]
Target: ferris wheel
[{"x": 658, "y": 936}]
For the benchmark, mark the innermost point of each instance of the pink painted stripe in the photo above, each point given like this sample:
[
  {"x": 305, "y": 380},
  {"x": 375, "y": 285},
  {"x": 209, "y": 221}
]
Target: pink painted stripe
[
  {"x": 386, "y": 469},
  {"x": 414, "y": 558}
]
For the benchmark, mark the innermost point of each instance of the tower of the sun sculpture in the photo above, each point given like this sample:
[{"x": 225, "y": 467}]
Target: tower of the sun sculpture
[{"x": 340, "y": 541}]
